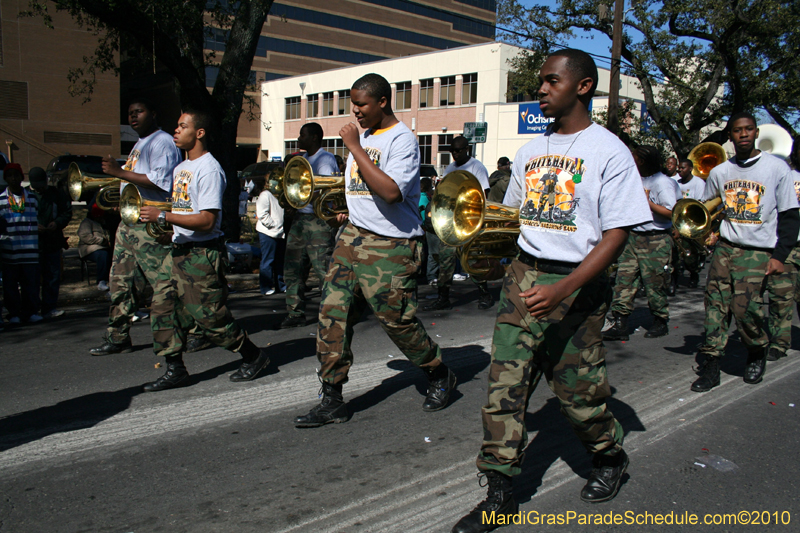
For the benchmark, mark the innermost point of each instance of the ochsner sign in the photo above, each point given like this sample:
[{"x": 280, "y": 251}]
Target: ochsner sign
[{"x": 531, "y": 119}]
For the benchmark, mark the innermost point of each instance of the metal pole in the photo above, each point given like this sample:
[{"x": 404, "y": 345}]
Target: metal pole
[{"x": 616, "y": 52}]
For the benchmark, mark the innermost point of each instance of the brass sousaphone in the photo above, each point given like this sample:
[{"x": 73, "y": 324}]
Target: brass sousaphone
[
  {"x": 461, "y": 216},
  {"x": 130, "y": 208},
  {"x": 300, "y": 184},
  {"x": 706, "y": 156},
  {"x": 83, "y": 185}
]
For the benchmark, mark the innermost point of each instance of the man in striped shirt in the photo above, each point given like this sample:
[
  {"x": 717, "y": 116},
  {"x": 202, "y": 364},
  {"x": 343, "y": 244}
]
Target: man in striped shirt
[{"x": 19, "y": 249}]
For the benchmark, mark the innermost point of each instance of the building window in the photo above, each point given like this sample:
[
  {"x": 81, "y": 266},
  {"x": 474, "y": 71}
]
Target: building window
[
  {"x": 447, "y": 91},
  {"x": 293, "y": 108},
  {"x": 403, "y": 99},
  {"x": 426, "y": 93},
  {"x": 327, "y": 104},
  {"x": 444, "y": 148},
  {"x": 425, "y": 149},
  {"x": 290, "y": 148},
  {"x": 336, "y": 147},
  {"x": 14, "y": 103},
  {"x": 313, "y": 105},
  {"x": 469, "y": 89},
  {"x": 344, "y": 102}
]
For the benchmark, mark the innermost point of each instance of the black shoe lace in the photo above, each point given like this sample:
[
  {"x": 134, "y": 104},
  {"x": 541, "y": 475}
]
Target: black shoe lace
[{"x": 494, "y": 494}]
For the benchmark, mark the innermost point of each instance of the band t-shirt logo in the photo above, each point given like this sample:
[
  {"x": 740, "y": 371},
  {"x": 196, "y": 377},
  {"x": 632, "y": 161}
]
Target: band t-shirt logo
[
  {"x": 551, "y": 200},
  {"x": 797, "y": 185},
  {"x": 181, "y": 201},
  {"x": 742, "y": 201},
  {"x": 357, "y": 186},
  {"x": 133, "y": 158}
]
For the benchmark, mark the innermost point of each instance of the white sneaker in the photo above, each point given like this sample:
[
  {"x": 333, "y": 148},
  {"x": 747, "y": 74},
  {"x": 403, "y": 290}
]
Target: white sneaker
[
  {"x": 269, "y": 292},
  {"x": 434, "y": 282},
  {"x": 102, "y": 286},
  {"x": 14, "y": 320},
  {"x": 55, "y": 313},
  {"x": 35, "y": 318},
  {"x": 459, "y": 277},
  {"x": 140, "y": 315}
]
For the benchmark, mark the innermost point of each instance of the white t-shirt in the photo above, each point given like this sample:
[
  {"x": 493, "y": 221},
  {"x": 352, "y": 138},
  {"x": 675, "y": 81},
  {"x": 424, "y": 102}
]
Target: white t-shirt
[
  {"x": 474, "y": 167},
  {"x": 693, "y": 189},
  {"x": 269, "y": 214},
  {"x": 752, "y": 198},
  {"x": 395, "y": 151},
  {"x": 322, "y": 164},
  {"x": 199, "y": 185},
  {"x": 663, "y": 191},
  {"x": 156, "y": 156},
  {"x": 572, "y": 190}
]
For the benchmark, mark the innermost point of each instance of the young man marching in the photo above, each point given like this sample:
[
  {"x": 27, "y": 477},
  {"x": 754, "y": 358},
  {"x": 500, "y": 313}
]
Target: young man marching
[
  {"x": 191, "y": 287},
  {"x": 554, "y": 293},
  {"x": 691, "y": 187},
  {"x": 378, "y": 255},
  {"x": 758, "y": 233}
]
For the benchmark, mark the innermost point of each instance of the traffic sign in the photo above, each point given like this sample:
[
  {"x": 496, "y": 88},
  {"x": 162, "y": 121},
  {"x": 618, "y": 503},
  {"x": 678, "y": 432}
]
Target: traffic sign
[{"x": 475, "y": 132}]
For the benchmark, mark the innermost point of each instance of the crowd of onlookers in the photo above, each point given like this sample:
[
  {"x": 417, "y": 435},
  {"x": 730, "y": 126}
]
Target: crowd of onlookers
[{"x": 32, "y": 241}]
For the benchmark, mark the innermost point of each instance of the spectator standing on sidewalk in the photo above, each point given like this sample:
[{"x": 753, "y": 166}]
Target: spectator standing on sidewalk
[{"x": 55, "y": 212}]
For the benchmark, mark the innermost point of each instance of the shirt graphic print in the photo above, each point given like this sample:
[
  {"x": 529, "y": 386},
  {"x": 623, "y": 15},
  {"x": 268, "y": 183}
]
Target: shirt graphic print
[
  {"x": 742, "y": 201},
  {"x": 551, "y": 200},
  {"x": 181, "y": 201},
  {"x": 357, "y": 185},
  {"x": 133, "y": 158}
]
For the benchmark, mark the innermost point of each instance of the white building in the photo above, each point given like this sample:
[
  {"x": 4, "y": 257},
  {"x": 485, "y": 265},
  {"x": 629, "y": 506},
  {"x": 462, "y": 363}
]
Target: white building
[{"x": 434, "y": 94}]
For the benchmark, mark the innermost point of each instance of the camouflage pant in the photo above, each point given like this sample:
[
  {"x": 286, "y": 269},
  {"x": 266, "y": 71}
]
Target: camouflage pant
[
  {"x": 133, "y": 248},
  {"x": 566, "y": 347},
  {"x": 191, "y": 289},
  {"x": 783, "y": 294},
  {"x": 310, "y": 239},
  {"x": 735, "y": 287},
  {"x": 448, "y": 257},
  {"x": 368, "y": 269},
  {"x": 649, "y": 255}
]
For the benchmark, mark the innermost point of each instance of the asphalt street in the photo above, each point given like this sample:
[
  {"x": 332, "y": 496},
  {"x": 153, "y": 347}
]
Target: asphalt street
[{"x": 83, "y": 449}]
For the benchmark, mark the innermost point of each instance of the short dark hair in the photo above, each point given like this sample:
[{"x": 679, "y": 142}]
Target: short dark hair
[
  {"x": 144, "y": 101},
  {"x": 581, "y": 64},
  {"x": 672, "y": 157},
  {"x": 460, "y": 140},
  {"x": 650, "y": 159},
  {"x": 202, "y": 120},
  {"x": 742, "y": 114},
  {"x": 688, "y": 162},
  {"x": 375, "y": 85},
  {"x": 425, "y": 183},
  {"x": 314, "y": 129}
]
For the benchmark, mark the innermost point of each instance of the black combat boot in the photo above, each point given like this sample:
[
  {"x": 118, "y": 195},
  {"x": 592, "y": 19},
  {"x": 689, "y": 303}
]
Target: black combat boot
[
  {"x": 441, "y": 382},
  {"x": 485, "y": 300},
  {"x": 293, "y": 321},
  {"x": 196, "y": 343},
  {"x": 606, "y": 476},
  {"x": 619, "y": 332},
  {"x": 499, "y": 501},
  {"x": 775, "y": 354},
  {"x": 442, "y": 303},
  {"x": 709, "y": 375},
  {"x": 756, "y": 366},
  {"x": 250, "y": 370},
  {"x": 175, "y": 376},
  {"x": 658, "y": 329},
  {"x": 331, "y": 409},
  {"x": 109, "y": 347}
]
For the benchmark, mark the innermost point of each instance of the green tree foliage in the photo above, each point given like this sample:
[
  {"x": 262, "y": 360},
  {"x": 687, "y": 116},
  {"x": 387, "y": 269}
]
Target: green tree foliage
[
  {"x": 175, "y": 31},
  {"x": 697, "y": 61}
]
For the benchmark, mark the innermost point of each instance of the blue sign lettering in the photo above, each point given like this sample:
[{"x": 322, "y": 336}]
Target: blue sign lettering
[{"x": 530, "y": 119}]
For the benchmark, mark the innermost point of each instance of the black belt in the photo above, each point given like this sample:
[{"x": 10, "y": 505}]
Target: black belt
[
  {"x": 214, "y": 244},
  {"x": 546, "y": 265},
  {"x": 739, "y": 246},
  {"x": 652, "y": 232}
]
